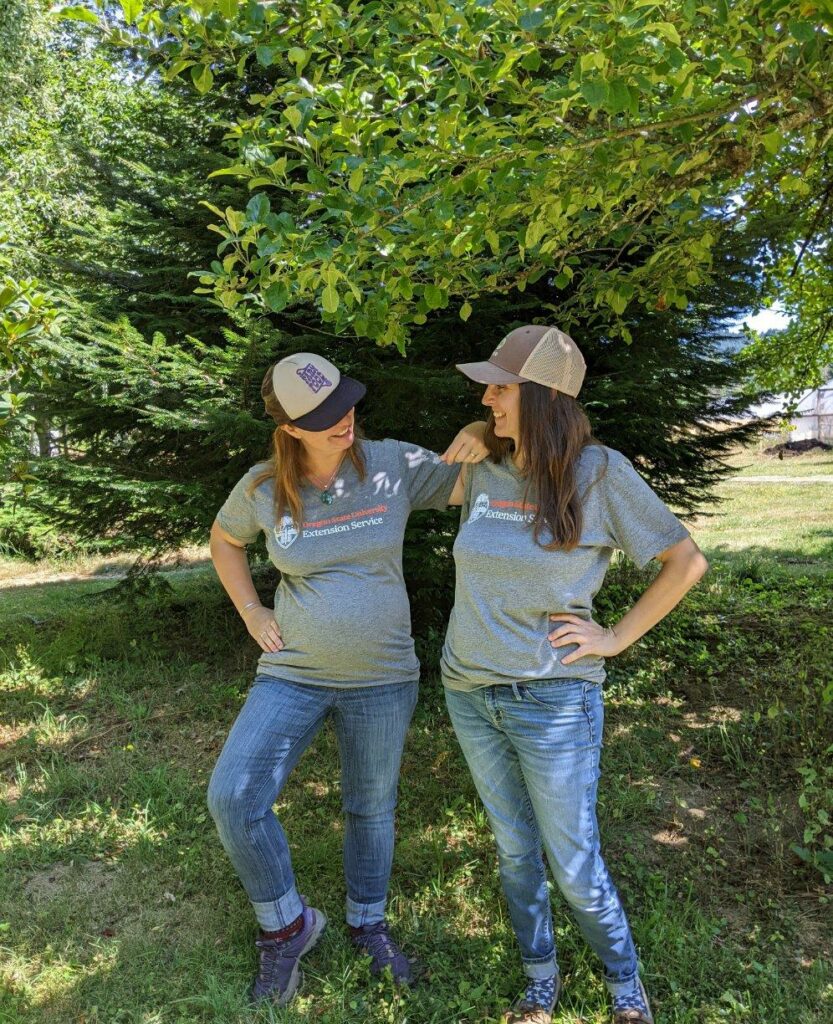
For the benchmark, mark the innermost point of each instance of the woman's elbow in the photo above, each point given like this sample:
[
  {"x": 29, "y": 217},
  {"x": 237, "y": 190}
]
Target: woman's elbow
[
  {"x": 698, "y": 566},
  {"x": 688, "y": 562}
]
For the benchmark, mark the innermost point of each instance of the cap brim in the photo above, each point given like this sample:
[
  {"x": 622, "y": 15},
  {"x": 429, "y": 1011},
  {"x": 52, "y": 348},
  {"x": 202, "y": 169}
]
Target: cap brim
[
  {"x": 488, "y": 373},
  {"x": 334, "y": 406}
]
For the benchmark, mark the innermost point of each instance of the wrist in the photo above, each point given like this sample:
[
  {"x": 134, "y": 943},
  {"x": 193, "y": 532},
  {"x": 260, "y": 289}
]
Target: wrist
[
  {"x": 613, "y": 635},
  {"x": 249, "y": 607}
]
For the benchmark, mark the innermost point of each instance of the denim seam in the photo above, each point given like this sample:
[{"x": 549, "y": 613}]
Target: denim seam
[
  {"x": 587, "y": 715},
  {"x": 542, "y": 871}
]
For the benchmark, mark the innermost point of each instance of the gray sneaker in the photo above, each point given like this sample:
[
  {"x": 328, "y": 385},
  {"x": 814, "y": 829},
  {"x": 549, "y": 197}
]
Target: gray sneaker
[{"x": 279, "y": 975}]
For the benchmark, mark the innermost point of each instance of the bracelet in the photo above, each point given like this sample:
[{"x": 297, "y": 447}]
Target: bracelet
[{"x": 246, "y": 607}]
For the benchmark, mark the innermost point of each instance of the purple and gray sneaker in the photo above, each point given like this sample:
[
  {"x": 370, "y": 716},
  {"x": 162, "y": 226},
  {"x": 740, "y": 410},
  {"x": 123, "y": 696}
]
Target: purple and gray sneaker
[
  {"x": 279, "y": 975},
  {"x": 376, "y": 941}
]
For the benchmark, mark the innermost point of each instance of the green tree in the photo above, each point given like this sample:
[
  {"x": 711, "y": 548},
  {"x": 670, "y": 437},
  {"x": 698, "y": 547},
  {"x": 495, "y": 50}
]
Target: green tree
[{"x": 496, "y": 144}]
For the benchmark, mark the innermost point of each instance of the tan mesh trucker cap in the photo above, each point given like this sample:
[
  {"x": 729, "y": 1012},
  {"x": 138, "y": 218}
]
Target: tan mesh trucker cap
[
  {"x": 312, "y": 391},
  {"x": 544, "y": 355}
]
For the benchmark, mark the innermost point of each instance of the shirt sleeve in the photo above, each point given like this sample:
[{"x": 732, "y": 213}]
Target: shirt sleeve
[
  {"x": 640, "y": 523},
  {"x": 237, "y": 516},
  {"x": 428, "y": 482}
]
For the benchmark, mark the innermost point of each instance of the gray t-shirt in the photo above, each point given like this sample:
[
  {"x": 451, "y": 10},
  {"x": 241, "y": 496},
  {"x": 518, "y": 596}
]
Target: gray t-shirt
[
  {"x": 341, "y": 602},
  {"x": 507, "y": 585}
]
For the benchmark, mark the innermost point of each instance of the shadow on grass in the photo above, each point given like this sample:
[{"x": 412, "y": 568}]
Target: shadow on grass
[
  {"x": 159, "y": 923},
  {"x": 145, "y": 920}
]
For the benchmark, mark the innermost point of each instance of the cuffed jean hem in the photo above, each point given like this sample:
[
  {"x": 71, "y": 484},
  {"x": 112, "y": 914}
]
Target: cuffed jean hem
[
  {"x": 541, "y": 970},
  {"x": 360, "y": 914},
  {"x": 622, "y": 987},
  {"x": 276, "y": 914}
]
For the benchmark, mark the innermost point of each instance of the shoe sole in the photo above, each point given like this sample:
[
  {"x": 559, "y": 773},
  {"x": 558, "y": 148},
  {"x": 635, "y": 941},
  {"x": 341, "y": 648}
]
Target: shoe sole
[{"x": 297, "y": 976}]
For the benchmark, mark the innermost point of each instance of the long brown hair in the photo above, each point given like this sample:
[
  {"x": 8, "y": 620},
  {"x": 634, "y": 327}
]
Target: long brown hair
[
  {"x": 286, "y": 460},
  {"x": 553, "y": 431}
]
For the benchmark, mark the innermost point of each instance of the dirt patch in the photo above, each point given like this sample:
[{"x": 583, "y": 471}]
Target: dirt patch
[
  {"x": 789, "y": 449},
  {"x": 88, "y": 879}
]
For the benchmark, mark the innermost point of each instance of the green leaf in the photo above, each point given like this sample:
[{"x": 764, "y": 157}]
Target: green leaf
[
  {"x": 595, "y": 93},
  {"x": 228, "y": 8},
  {"x": 465, "y": 311},
  {"x": 234, "y": 219},
  {"x": 434, "y": 296},
  {"x": 532, "y": 61},
  {"x": 666, "y": 30},
  {"x": 534, "y": 233},
  {"x": 77, "y": 14},
  {"x": 202, "y": 78},
  {"x": 240, "y": 169},
  {"x": 619, "y": 99},
  {"x": 532, "y": 19},
  {"x": 276, "y": 296},
  {"x": 294, "y": 116},
  {"x": 356, "y": 179},
  {"x": 298, "y": 56},
  {"x": 803, "y": 31},
  {"x": 265, "y": 55},
  {"x": 131, "y": 9},
  {"x": 330, "y": 299},
  {"x": 772, "y": 142},
  {"x": 257, "y": 208}
]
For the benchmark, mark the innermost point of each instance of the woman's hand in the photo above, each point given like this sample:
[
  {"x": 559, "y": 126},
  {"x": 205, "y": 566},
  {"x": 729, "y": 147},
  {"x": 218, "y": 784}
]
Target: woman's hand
[
  {"x": 261, "y": 624},
  {"x": 589, "y": 635},
  {"x": 468, "y": 445}
]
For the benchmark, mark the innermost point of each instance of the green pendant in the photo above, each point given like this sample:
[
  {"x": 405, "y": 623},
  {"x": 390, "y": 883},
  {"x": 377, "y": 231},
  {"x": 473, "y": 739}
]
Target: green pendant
[{"x": 326, "y": 498}]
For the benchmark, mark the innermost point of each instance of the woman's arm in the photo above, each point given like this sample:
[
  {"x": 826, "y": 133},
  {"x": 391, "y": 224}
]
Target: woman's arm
[
  {"x": 232, "y": 565},
  {"x": 468, "y": 448},
  {"x": 467, "y": 445},
  {"x": 682, "y": 566}
]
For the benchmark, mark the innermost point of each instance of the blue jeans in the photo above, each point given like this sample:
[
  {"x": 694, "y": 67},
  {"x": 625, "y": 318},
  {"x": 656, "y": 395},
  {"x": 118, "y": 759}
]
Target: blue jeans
[
  {"x": 275, "y": 726},
  {"x": 533, "y": 751}
]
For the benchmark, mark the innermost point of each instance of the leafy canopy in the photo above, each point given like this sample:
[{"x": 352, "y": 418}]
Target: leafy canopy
[{"x": 442, "y": 150}]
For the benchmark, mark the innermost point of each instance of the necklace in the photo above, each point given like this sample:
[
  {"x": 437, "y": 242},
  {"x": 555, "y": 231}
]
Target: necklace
[{"x": 324, "y": 495}]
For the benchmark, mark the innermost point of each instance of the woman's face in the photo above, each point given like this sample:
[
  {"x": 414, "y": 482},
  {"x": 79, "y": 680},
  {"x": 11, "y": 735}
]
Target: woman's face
[
  {"x": 505, "y": 402},
  {"x": 337, "y": 438}
]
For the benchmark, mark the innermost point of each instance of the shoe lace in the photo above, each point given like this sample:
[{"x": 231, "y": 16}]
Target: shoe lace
[
  {"x": 378, "y": 942},
  {"x": 272, "y": 953}
]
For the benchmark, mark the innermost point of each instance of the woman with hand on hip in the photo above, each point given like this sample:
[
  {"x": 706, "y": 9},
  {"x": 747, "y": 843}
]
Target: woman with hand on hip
[
  {"x": 523, "y": 662},
  {"x": 336, "y": 644}
]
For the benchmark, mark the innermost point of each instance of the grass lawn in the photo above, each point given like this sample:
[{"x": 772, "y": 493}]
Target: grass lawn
[
  {"x": 789, "y": 525},
  {"x": 118, "y": 905}
]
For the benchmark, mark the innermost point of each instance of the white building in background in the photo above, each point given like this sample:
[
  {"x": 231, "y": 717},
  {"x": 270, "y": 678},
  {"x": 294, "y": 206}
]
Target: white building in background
[{"x": 810, "y": 420}]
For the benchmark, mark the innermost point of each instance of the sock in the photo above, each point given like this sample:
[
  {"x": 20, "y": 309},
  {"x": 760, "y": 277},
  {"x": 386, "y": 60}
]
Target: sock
[
  {"x": 283, "y": 934},
  {"x": 541, "y": 991}
]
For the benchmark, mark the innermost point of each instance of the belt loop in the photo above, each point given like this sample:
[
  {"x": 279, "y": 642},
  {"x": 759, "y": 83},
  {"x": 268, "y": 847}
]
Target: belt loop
[{"x": 516, "y": 692}]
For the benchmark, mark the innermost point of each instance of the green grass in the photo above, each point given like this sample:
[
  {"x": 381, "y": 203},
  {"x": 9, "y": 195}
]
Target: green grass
[
  {"x": 755, "y": 462},
  {"x": 118, "y": 905},
  {"x": 788, "y": 525}
]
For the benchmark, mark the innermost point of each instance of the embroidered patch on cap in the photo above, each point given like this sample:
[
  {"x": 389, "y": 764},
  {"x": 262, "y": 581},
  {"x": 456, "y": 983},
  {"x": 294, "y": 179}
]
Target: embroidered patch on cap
[{"x": 314, "y": 378}]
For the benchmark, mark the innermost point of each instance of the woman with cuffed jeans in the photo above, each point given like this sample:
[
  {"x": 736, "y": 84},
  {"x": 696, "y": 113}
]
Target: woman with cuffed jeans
[
  {"x": 337, "y": 644},
  {"x": 523, "y": 661}
]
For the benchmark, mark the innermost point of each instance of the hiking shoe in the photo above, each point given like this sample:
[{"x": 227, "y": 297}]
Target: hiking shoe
[
  {"x": 537, "y": 1003},
  {"x": 376, "y": 941},
  {"x": 634, "y": 1007},
  {"x": 279, "y": 975}
]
